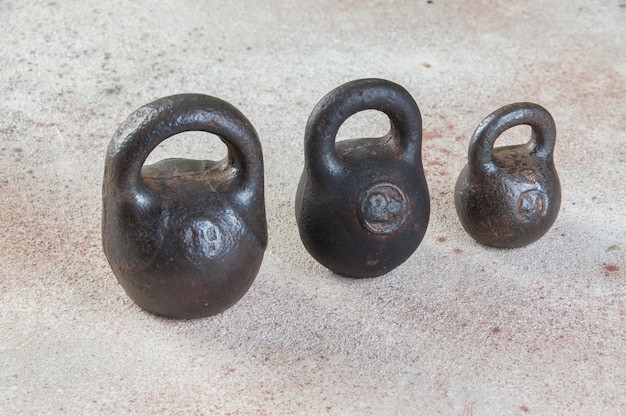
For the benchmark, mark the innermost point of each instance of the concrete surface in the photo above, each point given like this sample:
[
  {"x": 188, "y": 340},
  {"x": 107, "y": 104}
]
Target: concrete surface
[{"x": 459, "y": 329}]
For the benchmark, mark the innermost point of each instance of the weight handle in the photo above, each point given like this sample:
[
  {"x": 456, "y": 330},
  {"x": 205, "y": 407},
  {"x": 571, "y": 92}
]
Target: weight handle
[
  {"x": 159, "y": 120},
  {"x": 350, "y": 98},
  {"x": 541, "y": 144}
]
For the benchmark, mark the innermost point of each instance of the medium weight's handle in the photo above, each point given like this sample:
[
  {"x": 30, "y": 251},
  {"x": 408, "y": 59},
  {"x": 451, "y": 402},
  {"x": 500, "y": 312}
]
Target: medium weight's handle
[
  {"x": 350, "y": 98},
  {"x": 541, "y": 144},
  {"x": 159, "y": 120}
]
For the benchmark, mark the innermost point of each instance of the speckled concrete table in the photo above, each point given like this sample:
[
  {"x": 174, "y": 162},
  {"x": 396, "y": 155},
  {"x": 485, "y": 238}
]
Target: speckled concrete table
[{"x": 457, "y": 329}]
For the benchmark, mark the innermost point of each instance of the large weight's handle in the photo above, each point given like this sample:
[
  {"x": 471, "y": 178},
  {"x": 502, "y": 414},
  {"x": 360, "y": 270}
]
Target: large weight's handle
[
  {"x": 541, "y": 144},
  {"x": 350, "y": 98},
  {"x": 159, "y": 120}
]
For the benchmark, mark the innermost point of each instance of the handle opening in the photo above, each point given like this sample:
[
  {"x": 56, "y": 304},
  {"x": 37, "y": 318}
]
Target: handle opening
[
  {"x": 366, "y": 123},
  {"x": 197, "y": 145},
  {"x": 515, "y": 136}
]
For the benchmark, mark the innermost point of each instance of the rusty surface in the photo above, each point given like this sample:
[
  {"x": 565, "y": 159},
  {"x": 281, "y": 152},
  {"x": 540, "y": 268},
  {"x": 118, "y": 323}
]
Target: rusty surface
[
  {"x": 510, "y": 196},
  {"x": 362, "y": 205},
  {"x": 185, "y": 238}
]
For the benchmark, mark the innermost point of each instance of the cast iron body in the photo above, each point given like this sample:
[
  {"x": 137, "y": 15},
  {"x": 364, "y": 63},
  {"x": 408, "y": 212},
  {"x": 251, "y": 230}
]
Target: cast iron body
[
  {"x": 362, "y": 205},
  {"x": 185, "y": 238},
  {"x": 510, "y": 196}
]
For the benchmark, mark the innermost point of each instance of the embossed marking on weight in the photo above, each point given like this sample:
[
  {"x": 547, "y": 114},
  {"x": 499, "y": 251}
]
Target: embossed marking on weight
[
  {"x": 203, "y": 238},
  {"x": 383, "y": 208},
  {"x": 530, "y": 204}
]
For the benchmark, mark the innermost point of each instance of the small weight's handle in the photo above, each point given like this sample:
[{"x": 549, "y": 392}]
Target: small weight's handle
[
  {"x": 350, "y": 98},
  {"x": 541, "y": 144},
  {"x": 159, "y": 120}
]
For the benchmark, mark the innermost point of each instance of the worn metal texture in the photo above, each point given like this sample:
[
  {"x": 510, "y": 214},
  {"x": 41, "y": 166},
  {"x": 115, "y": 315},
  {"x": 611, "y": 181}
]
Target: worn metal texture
[
  {"x": 185, "y": 238},
  {"x": 510, "y": 196},
  {"x": 362, "y": 205}
]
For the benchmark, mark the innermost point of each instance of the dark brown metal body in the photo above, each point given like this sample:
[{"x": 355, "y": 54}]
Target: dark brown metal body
[
  {"x": 185, "y": 238},
  {"x": 510, "y": 196},
  {"x": 362, "y": 205}
]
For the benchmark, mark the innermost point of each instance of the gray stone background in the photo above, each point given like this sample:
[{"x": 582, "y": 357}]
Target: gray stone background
[{"x": 458, "y": 329}]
